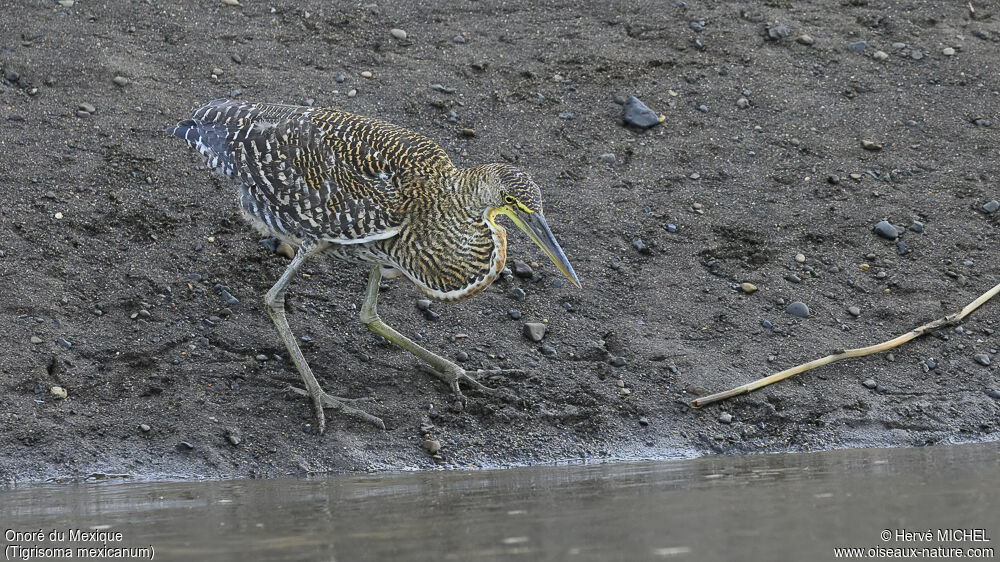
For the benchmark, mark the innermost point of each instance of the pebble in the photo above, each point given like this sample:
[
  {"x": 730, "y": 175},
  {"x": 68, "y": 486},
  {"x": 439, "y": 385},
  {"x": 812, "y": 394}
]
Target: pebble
[
  {"x": 261, "y": 357},
  {"x": 792, "y": 278},
  {"x": 880, "y": 55},
  {"x": 432, "y": 446},
  {"x": 517, "y": 293},
  {"x": 231, "y": 2},
  {"x": 644, "y": 421},
  {"x": 534, "y": 331},
  {"x": 236, "y": 58},
  {"x": 994, "y": 394},
  {"x": 58, "y": 392},
  {"x": 742, "y": 103},
  {"x": 948, "y": 52},
  {"x": 459, "y": 39},
  {"x": 36, "y": 340},
  {"x": 886, "y": 230},
  {"x": 871, "y": 145},
  {"x": 992, "y": 206},
  {"x": 916, "y": 55},
  {"x": 777, "y": 32},
  {"x": 870, "y": 383},
  {"x": 120, "y": 81},
  {"x": 366, "y": 74},
  {"x": 89, "y": 108},
  {"x": 983, "y": 123},
  {"x": 144, "y": 428},
  {"x": 184, "y": 446},
  {"x": 798, "y": 309},
  {"x": 917, "y": 227},
  {"x": 462, "y": 356},
  {"x": 897, "y": 45},
  {"x": 805, "y": 39},
  {"x": 548, "y": 351},
  {"x": 641, "y": 247},
  {"x": 284, "y": 250},
  {"x": 65, "y": 344},
  {"x": 748, "y": 288},
  {"x": 618, "y": 362},
  {"x": 697, "y": 26},
  {"x": 609, "y": 158},
  {"x": 982, "y": 359},
  {"x": 398, "y": 33},
  {"x": 638, "y": 115},
  {"x": 671, "y": 228},
  {"x": 423, "y": 304},
  {"x": 234, "y": 436},
  {"x": 522, "y": 270},
  {"x": 857, "y": 46},
  {"x": 726, "y": 418},
  {"x": 854, "y": 311},
  {"x": 351, "y": 93},
  {"x": 801, "y": 258},
  {"x": 514, "y": 314},
  {"x": 11, "y": 75}
]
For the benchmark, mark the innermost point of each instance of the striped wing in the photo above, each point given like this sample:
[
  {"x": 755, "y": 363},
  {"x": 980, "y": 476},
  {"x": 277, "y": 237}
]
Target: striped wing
[{"x": 296, "y": 178}]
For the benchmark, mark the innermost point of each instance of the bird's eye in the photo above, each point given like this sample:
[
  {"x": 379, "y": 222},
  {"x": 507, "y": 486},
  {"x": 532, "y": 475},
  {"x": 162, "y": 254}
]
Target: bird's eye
[{"x": 510, "y": 199}]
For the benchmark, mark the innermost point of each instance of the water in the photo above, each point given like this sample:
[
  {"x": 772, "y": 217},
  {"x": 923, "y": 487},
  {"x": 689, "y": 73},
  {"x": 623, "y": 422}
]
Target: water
[{"x": 766, "y": 507}]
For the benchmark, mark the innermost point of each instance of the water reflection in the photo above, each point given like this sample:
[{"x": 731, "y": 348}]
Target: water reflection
[{"x": 768, "y": 507}]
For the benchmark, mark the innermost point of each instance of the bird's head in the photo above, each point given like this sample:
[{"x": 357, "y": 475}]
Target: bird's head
[{"x": 511, "y": 192}]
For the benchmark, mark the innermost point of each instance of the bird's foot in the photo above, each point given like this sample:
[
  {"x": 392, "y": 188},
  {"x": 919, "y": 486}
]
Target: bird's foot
[
  {"x": 453, "y": 377},
  {"x": 324, "y": 400}
]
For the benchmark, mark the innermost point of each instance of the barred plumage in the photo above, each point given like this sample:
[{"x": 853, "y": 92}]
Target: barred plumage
[{"x": 362, "y": 190}]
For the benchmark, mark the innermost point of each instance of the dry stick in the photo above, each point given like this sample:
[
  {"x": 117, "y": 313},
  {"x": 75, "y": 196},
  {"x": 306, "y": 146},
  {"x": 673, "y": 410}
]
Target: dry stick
[{"x": 849, "y": 353}]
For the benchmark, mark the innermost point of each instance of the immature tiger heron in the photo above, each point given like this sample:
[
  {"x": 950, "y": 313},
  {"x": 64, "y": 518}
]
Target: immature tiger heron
[{"x": 364, "y": 191}]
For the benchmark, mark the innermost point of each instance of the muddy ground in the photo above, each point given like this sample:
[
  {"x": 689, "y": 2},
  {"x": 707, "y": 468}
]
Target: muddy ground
[{"x": 113, "y": 235}]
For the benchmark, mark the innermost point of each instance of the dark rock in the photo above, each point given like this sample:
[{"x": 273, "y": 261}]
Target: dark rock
[
  {"x": 992, "y": 206},
  {"x": 641, "y": 247},
  {"x": 994, "y": 394},
  {"x": 618, "y": 361},
  {"x": 65, "y": 344},
  {"x": 462, "y": 357},
  {"x": 870, "y": 383},
  {"x": 522, "y": 270},
  {"x": 514, "y": 314},
  {"x": 726, "y": 418},
  {"x": 184, "y": 447},
  {"x": 917, "y": 227},
  {"x": 609, "y": 158},
  {"x": 638, "y": 115},
  {"x": 423, "y": 304},
  {"x": 857, "y": 46},
  {"x": 548, "y": 351},
  {"x": 917, "y": 55},
  {"x": 798, "y": 309},
  {"x": 982, "y": 359},
  {"x": 777, "y": 32},
  {"x": 886, "y": 230},
  {"x": 517, "y": 293}
]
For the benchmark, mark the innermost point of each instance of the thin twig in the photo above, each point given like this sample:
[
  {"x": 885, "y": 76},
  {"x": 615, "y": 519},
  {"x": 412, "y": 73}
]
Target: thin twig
[{"x": 849, "y": 353}]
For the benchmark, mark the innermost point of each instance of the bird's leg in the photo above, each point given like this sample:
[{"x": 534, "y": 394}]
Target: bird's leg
[
  {"x": 275, "y": 300},
  {"x": 445, "y": 370}
]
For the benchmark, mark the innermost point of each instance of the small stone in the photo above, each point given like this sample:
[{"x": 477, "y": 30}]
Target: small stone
[
  {"x": 236, "y": 58},
  {"x": 697, "y": 26},
  {"x": 983, "y": 123},
  {"x": 120, "y": 81},
  {"x": 898, "y": 45},
  {"x": 805, "y": 39},
  {"x": 641, "y": 247},
  {"x": 792, "y": 278},
  {"x": 284, "y": 250},
  {"x": 458, "y": 39},
  {"x": 89, "y": 108},
  {"x": 777, "y": 32},
  {"x": 994, "y": 394},
  {"x": 398, "y": 33},
  {"x": 522, "y": 270},
  {"x": 880, "y": 55},
  {"x": 423, "y": 304},
  {"x": 801, "y": 258},
  {"x": 748, "y": 288},
  {"x": 671, "y": 228},
  {"x": 534, "y": 331},
  {"x": 431, "y": 446},
  {"x": 184, "y": 446},
  {"x": 886, "y": 230},
  {"x": 992, "y": 206},
  {"x": 517, "y": 293},
  {"x": 870, "y": 383},
  {"x": 261, "y": 357},
  {"x": 871, "y": 145},
  {"x": 742, "y": 103},
  {"x": 144, "y": 428},
  {"x": 854, "y": 311},
  {"x": 857, "y": 46},
  {"x": 351, "y": 93},
  {"x": 514, "y": 314},
  {"x": 638, "y": 115},
  {"x": 917, "y": 227},
  {"x": 948, "y": 52},
  {"x": 462, "y": 356},
  {"x": 366, "y": 74},
  {"x": 982, "y": 358},
  {"x": 467, "y": 132},
  {"x": 798, "y": 309},
  {"x": 643, "y": 421},
  {"x": 609, "y": 158},
  {"x": 618, "y": 362},
  {"x": 58, "y": 392},
  {"x": 36, "y": 340},
  {"x": 548, "y": 351},
  {"x": 916, "y": 55},
  {"x": 726, "y": 418},
  {"x": 234, "y": 436},
  {"x": 65, "y": 344}
]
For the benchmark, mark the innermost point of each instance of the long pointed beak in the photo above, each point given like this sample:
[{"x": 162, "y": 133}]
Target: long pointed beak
[{"x": 534, "y": 225}]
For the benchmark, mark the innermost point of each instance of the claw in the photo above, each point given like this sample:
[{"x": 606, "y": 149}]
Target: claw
[{"x": 341, "y": 404}]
